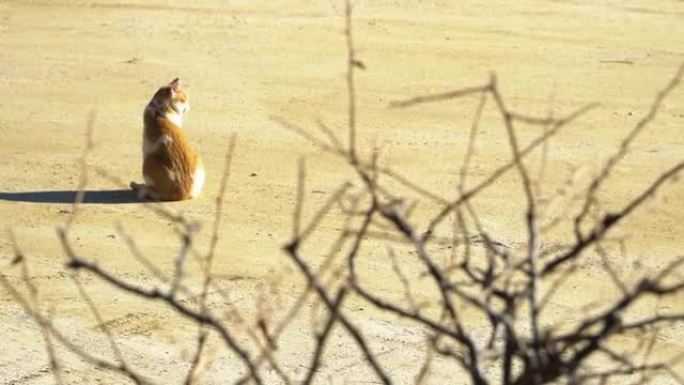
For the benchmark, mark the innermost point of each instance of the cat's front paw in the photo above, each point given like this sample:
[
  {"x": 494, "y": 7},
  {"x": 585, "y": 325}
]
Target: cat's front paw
[{"x": 140, "y": 190}]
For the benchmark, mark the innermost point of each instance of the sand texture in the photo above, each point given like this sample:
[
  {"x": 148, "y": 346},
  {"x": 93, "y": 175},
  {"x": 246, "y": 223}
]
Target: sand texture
[{"x": 247, "y": 65}]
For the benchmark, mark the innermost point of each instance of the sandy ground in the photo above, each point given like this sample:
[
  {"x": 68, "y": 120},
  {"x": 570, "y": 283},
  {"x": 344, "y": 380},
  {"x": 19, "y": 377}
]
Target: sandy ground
[{"x": 244, "y": 62}]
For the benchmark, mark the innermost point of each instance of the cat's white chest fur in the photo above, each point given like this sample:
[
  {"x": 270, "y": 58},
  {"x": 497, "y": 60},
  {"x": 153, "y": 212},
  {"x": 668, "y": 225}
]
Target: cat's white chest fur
[
  {"x": 197, "y": 181},
  {"x": 176, "y": 118}
]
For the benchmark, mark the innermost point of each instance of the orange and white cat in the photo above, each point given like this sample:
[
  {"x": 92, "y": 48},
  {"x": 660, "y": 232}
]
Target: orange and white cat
[{"x": 171, "y": 169}]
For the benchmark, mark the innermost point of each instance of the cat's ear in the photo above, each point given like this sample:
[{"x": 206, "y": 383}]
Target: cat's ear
[{"x": 174, "y": 85}]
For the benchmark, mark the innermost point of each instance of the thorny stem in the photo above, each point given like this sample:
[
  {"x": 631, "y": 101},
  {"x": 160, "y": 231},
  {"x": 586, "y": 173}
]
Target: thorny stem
[{"x": 532, "y": 228}]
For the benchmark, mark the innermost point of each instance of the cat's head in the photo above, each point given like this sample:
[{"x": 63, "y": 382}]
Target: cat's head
[{"x": 173, "y": 98}]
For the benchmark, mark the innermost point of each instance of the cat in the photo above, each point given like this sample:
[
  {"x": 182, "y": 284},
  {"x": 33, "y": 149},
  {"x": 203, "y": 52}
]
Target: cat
[{"x": 172, "y": 170}]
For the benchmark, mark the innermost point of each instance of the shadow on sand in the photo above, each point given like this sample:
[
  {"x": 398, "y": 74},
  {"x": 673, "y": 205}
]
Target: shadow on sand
[{"x": 68, "y": 196}]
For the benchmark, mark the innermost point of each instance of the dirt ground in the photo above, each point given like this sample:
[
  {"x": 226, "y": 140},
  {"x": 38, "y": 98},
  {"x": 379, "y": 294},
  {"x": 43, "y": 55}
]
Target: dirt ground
[{"x": 246, "y": 62}]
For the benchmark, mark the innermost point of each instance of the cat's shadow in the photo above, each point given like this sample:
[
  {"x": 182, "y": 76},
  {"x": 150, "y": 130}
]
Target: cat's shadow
[{"x": 69, "y": 196}]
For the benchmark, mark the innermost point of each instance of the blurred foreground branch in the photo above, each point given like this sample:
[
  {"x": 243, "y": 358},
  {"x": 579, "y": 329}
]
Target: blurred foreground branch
[{"x": 484, "y": 308}]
